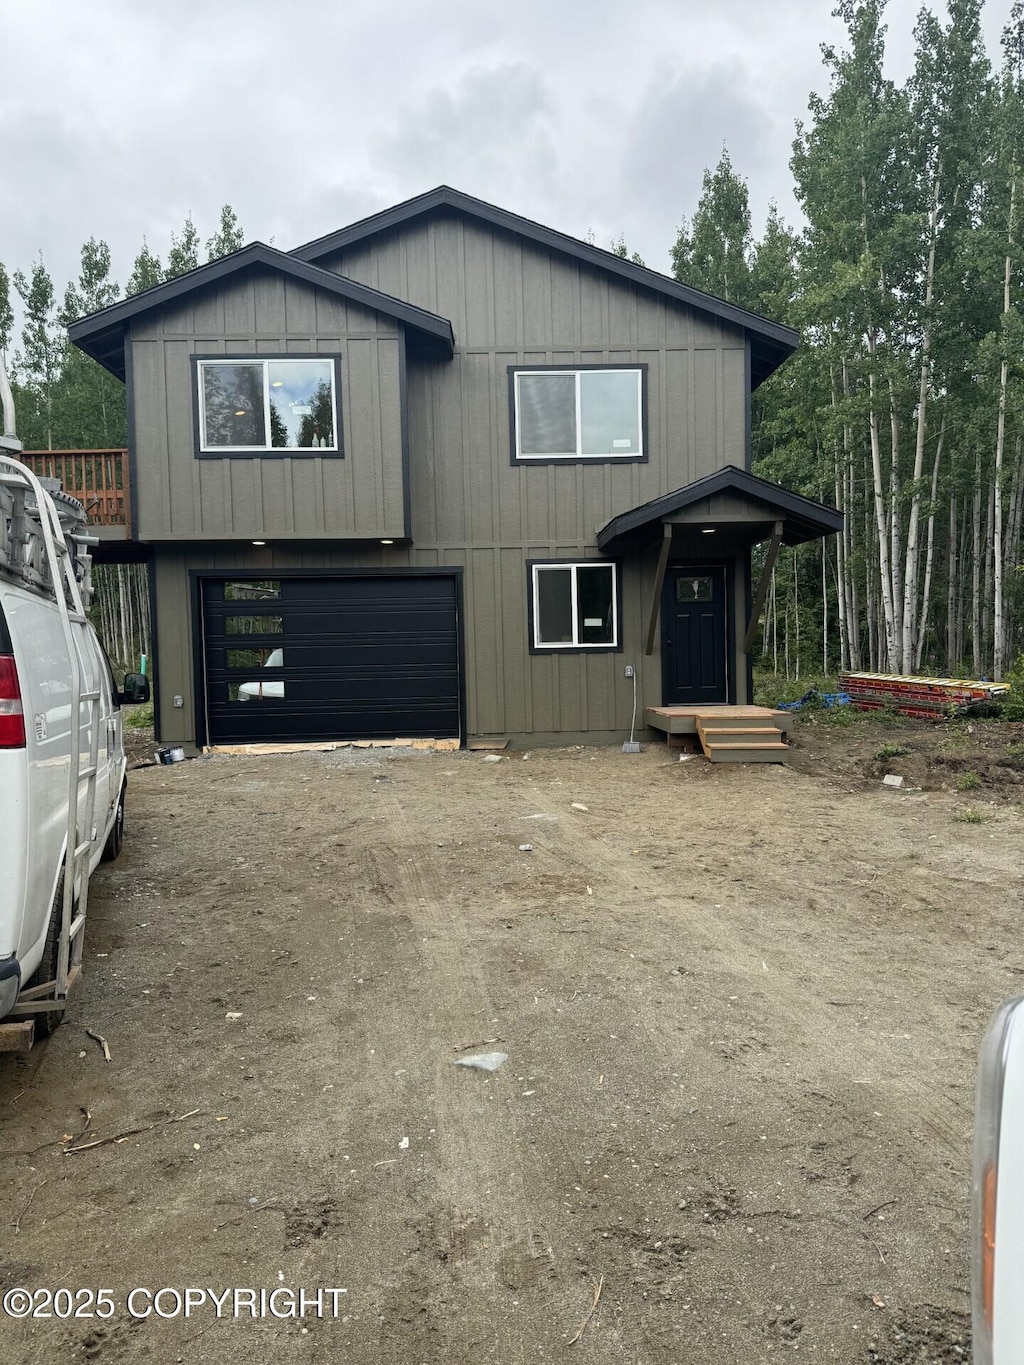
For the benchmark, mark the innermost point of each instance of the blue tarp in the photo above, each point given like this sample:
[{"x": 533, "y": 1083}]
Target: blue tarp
[{"x": 816, "y": 698}]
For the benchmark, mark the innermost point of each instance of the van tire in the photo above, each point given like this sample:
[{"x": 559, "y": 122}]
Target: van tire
[
  {"x": 49, "y": 1021},
  {"x": 115, "y": 839}
]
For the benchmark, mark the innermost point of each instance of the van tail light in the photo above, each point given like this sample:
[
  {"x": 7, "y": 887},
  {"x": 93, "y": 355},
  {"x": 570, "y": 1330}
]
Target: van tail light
[{"x": 12, "y": 714}]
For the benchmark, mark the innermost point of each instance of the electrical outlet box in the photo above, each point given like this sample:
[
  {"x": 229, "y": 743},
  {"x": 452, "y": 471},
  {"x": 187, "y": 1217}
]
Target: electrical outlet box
[
  {"x": 179, "y": 701},
  {"x": 629, "y": 670}
]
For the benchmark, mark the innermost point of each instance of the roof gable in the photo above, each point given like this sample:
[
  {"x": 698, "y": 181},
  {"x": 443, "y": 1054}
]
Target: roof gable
[
  {"x": 101, "y": 335},
  {"x": 770, "y": 342},
  {"x": 803, "y": 518}
]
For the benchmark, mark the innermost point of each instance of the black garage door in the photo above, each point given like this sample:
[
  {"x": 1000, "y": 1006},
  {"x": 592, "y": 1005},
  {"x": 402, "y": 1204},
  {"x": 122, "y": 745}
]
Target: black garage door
[{"x": 337, "y": 657}]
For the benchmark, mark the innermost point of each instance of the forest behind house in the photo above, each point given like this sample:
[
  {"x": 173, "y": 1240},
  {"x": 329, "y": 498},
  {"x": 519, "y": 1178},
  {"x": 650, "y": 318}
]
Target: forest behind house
[{"x": 904, "y": 405}]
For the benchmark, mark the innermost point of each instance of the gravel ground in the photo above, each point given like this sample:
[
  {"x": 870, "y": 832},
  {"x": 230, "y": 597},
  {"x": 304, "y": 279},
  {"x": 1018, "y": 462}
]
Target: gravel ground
[{"x": 740, "y": 1006}]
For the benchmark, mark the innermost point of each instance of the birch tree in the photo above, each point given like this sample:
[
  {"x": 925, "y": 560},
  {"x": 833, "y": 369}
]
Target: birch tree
[{"x": 950, "y": 109}]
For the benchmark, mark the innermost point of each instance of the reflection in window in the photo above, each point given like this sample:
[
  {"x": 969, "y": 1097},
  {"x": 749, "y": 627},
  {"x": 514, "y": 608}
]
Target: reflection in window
[
  {"x": 696, "y": 589},
  {"x": 574, "y": 606},
  {"x": 270, "y": 690},
  {"x": 267, "y": 405},
  {"x": 578, "y": 414},
  {"x": 554, "y": 606},
  {"x": 258, "y": 689},
  {"x": 252, "y": 625},
  {"x": 256, "y": 590},
  {"x": 546, "y": 414},
  {"x": 255, "y": 658}
]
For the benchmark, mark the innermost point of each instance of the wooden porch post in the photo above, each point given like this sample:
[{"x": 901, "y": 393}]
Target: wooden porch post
[
  {"x": 659, "y": 583},
  {"x": 762, "y": 587}
]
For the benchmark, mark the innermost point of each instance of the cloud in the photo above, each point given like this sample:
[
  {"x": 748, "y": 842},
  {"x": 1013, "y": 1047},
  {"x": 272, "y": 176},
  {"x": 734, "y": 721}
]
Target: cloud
[
  {"x": 493, "y": 126},
  {"x": 117, "y": 118},
  {"x": 679, "y": 128}
]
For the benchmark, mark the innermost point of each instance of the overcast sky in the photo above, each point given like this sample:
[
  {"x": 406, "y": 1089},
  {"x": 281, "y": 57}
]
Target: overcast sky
[{"x": 118, "y": 117}]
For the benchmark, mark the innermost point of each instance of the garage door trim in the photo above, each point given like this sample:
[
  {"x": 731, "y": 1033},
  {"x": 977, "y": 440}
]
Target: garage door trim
[{"x": 198, "y": 576}]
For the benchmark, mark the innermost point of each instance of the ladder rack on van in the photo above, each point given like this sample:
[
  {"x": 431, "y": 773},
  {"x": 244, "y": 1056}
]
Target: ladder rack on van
[{"x": 23, "y": 541}]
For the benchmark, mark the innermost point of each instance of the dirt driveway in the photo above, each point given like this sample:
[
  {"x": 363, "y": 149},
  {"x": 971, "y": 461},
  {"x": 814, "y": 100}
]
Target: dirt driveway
[{"x": 741, "y": 1008}]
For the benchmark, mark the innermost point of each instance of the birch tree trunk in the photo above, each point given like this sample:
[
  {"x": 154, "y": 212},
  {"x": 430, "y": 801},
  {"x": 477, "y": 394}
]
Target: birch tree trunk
[
  {"x": 926, "y": 592},
  {"x": 881, "y": 527},
  {"x": 976, "y": 568},
  {"x": 910, "y": 600},
  {"x": 998, "y": 613},
  {"x": 844, "y": 646},
  {"x": 895, "y": 529},
  {"x": 952, "y": 647},
  {"x": 986, "y": 588}
]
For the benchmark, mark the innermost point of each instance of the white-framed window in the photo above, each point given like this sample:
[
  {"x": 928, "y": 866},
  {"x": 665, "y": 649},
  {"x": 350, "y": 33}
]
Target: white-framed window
[
  {"x": 575, "y": 605},
  {"x": 591, "y": 413},
  {"x": 252, "y": 404}
]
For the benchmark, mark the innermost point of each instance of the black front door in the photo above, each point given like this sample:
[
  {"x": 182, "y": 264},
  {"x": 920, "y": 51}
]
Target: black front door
[{"x": 693, "y": 634}]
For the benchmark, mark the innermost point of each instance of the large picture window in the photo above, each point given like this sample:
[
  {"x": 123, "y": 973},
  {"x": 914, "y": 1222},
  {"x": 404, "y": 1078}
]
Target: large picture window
[
  {"x": 273, "y": 404},
  {"x": 578, "y": 414},
  {"x": 574, "y": 606}
]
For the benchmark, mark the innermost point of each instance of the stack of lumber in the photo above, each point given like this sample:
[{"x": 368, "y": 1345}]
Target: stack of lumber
[{"x": 927, "y": 697}]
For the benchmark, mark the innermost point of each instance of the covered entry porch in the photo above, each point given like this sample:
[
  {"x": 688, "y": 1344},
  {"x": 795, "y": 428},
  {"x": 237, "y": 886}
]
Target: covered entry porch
[{"x": 701, "y": 615}]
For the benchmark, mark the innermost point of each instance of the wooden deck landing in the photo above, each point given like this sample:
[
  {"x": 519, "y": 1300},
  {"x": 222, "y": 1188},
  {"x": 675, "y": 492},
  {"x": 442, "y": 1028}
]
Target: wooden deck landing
[{"x": 727, "y": 734}]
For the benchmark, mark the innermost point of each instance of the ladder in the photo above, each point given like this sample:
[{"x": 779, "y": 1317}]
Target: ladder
[{"x": 43, "y": 546}]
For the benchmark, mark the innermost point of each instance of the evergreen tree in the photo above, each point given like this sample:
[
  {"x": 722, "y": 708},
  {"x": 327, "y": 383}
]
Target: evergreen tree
[
  {"x": 147, "y": 272},
  {"x": 6, "y": 312},
  {"x": 712, "y": 253},
  {"x": 91, "y": 402},
  {"x": 37, "y": 367},
  {"x": 854, "y": 179},
  {"x": 184, "y": 253},
  {"x": 621, "y": 249},
  {"x": 228, "y": 237}
]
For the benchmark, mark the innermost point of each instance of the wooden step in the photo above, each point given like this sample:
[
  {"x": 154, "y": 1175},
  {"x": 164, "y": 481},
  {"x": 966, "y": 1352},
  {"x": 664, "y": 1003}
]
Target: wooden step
[
  {"x": 771, "y": 732},
  {"x": 732, "y": 718},
  {"x": 743, "y": 749}
]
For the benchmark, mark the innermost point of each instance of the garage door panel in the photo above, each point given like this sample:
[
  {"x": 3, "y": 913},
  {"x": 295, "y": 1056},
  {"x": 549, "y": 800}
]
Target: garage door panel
[{"x": 343, "y": 658}]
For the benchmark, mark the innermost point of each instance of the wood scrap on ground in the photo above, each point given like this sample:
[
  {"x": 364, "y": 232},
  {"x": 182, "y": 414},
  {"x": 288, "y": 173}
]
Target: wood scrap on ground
[
  {"x": 593, "y": 1309},
  {"x": 126, "y": 1133},
  {"x": 99, "y": 1038}
]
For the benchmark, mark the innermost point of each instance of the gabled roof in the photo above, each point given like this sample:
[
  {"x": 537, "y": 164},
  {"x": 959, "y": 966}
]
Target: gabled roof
[
  {"x": 803, "y": 519},
  {"x": 770, "y": 342},
  {"x": 101, "y": 334}
]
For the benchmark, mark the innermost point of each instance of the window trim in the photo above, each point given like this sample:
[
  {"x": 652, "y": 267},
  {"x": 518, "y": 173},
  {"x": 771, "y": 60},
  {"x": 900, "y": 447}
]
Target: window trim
[
  {"x": 515, "y": 458},
  {"x": 576, "y": 562},
  {"x": 198, "y": 359}
]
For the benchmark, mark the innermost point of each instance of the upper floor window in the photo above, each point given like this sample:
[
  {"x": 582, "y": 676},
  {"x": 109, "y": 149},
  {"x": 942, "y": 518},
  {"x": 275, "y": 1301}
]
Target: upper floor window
[
  {"x": 249, "y": 405},
  {"x": 589, "y": 413}
]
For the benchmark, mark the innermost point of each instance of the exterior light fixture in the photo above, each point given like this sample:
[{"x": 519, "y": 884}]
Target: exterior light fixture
[
  {"x": 708, "y": 531},
  {"x": 240, "y": 412},
  {"x": 259, "y": 542},
  {"x": 387, "y": 542}
]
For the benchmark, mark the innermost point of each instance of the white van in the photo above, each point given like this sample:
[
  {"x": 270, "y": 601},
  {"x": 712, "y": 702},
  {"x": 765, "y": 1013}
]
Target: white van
[{"x": 49, "y": 653}]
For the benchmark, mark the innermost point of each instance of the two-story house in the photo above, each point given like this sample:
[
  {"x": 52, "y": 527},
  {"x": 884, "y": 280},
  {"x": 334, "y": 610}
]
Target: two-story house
[{"x": 444, "y": 473}]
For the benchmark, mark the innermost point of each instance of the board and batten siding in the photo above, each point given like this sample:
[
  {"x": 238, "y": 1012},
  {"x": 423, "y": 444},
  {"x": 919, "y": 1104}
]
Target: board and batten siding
[
  {"x": 514, "y": 303},
  {"x": 180, "y": 497},
  {"x": 510, "y": 302},
  {"x": 556, "y": 698}
]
